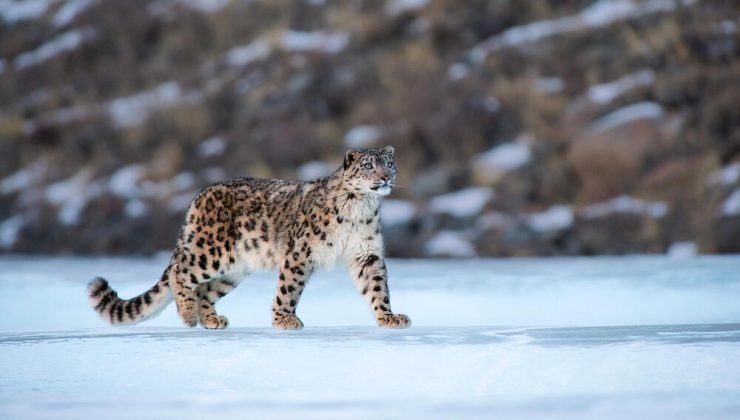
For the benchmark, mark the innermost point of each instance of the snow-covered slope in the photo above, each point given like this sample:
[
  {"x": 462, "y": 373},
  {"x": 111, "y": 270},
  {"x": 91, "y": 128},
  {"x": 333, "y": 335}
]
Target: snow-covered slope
[{"x": 544, "y": 338}]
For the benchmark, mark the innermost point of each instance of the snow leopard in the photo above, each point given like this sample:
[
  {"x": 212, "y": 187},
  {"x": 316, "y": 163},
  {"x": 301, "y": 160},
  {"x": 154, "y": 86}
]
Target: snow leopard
[{"x": 241, "y": 225}]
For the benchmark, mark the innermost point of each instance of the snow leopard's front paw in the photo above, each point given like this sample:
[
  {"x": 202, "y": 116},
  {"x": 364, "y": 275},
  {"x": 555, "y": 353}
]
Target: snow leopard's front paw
[
  {"x": 215, "y": 322},
  {"x": 286, "y": 322},
  {"x": 394, "y": 321}
]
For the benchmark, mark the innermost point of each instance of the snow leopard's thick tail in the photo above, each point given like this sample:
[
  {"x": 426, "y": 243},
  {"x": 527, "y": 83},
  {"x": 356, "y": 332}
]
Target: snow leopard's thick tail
[{"x": 117, "y": 311}]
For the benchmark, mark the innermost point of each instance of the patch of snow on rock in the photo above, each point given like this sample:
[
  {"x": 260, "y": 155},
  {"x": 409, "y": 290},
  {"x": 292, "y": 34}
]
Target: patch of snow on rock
[
  {"x": 495, "y": 220},
  {"x": 69, "y": 11},
  {"x": 682, "y": 250},
  {"x": 727, "y": 175},
  {"x": 314, "y": 170},
  {"x": 458, "y": 71},
  {"x": 164, "y": 7},
  {"x": 212, "y": 146},
  {"x": 24, "y": 178},
  {"x": 597, "y": 14},
  {"x": 396, "y": 212},
  {"x": 9, "y": 229},
  {"x": 640, "y": 111},
  {"x": 554, "y": 219},
  {"x": 180, "y": 202},
  {"x": 246, "y": 54},
  {"x": 491, "y": 165},
  {"x": 213, "y": 174},
  {"x": 133, "y": 110},
  {"x": 13, "y": 11},
  {"x": 726, "y": 27},
  {"x": 731, "y": 206},
  {"x": 205, "y": 6},
  {"x": 397, "y": 7},
  {"x": 625, "y": 205},
  {"x": 156, "y": 189},
  {"x": 491, "y": 104},
  {"x": 63, "y": 43},
  {"x": 72, "y": 195},
  {"x": 363, "y": 136},
  {"x": 318, "y": 41},
  {"x": 447, "y": 243},
  {"x": 607, "y": 92},
  {"x": 125, "y": 181},
  {"x": 464, "y": 203},
  {"x": 136, "y": 208},
  {"x": 549, "y": 85}
]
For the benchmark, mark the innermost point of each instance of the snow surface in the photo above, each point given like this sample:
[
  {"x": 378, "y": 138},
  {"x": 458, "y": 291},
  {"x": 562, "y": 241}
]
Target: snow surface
[
  {"x": 640, "y": 111},
  {"x": 599, "y": 338}
]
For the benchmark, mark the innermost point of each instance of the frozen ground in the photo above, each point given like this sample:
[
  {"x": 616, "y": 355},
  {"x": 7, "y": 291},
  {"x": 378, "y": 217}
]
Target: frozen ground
[{"x": 635, "y": 337}]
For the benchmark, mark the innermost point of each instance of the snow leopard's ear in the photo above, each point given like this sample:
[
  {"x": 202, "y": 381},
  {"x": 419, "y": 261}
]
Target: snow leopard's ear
[
  {"x": 349, "y": 157},
  {"x": 389, "y": 149}
]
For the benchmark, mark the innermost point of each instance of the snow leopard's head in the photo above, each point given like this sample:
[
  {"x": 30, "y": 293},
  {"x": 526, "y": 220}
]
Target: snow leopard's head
[{"x": 370, "y": 170}]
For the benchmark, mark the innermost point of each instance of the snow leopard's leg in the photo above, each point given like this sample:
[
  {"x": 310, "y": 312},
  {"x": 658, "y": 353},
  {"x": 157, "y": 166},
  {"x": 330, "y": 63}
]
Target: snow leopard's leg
[
  {"x": 208, "y": 294},
  {"x": 370, "y": 275},
  {"x": 185, "y": 297},
  {"x": 293, "y": 278}
]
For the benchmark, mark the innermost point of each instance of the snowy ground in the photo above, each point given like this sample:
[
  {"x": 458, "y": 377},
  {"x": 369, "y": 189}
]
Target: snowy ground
[{"x": 635, "y": 337}]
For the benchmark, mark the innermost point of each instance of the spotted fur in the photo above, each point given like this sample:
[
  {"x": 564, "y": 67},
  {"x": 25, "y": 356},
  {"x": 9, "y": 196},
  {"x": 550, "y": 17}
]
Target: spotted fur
[{"x": 245, "y": 224}]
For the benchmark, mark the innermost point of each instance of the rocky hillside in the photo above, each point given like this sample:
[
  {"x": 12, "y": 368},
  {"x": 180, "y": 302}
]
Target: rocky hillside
[{"x": 521, "y": 128}]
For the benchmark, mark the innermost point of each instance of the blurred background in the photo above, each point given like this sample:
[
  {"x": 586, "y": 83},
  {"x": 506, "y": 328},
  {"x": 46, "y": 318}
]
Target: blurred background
[{"x": 521, "y": 128}]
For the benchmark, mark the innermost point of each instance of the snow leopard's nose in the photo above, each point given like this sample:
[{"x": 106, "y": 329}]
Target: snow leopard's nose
[{"x": 385, "y": 178}]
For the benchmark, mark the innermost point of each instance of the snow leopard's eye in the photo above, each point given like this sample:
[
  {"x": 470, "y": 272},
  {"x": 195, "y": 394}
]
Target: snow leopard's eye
[
  {"x": 389, "y": 164},
  {"x": 368, "y": 166}
]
